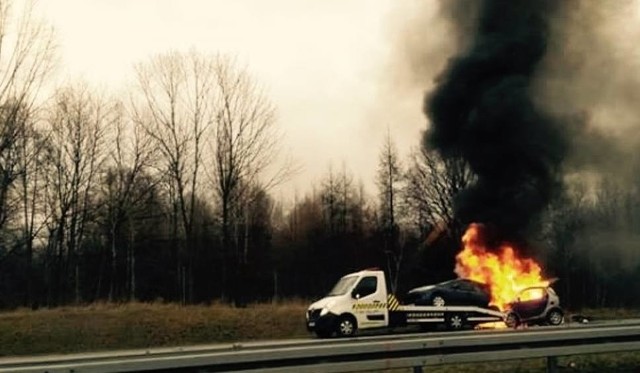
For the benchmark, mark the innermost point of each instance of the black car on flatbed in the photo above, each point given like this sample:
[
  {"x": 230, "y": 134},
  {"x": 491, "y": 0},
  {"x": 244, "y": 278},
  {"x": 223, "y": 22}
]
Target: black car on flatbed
[{"x": 456, "y": 292}]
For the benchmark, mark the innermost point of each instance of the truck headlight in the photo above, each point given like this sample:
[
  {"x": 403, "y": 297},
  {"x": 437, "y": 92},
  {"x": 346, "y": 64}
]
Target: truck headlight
[{"x": 324, "y": 311}]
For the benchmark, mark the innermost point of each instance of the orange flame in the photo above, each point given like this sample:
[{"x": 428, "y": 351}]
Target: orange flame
[{"x": 504, "y": 272}]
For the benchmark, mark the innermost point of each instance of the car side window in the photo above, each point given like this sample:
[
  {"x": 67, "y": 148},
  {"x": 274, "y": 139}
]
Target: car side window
[
  {"x": 367, "y": 286},
  {"x": 466, "y": 286},
  {"x": 479, "y": 289},
  {"x": 532, "y": 295}
]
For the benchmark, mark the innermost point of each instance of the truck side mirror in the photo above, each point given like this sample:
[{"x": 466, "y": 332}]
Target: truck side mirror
[{"x": 355, "y": 294}]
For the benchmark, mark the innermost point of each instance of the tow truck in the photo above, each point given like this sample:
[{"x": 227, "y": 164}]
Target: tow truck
[{"x": 361, "y": 300}]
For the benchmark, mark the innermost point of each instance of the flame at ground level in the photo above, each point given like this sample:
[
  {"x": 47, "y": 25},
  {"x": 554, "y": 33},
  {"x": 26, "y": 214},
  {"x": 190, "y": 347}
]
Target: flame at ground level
[
  {"x": 501, "y": 268},
  {"x": 492, "y": 325}
]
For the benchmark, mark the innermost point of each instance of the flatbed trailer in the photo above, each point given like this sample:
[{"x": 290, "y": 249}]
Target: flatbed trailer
[{"x": 360, "y": 301}]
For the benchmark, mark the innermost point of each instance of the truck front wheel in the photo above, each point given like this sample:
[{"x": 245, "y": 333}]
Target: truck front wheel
[{"x": 347, "y": 326}]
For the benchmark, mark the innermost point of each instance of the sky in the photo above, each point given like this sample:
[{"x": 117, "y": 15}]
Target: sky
[
  {"x": 329, "y": 66},
  {"x": 342, "y": 72}
]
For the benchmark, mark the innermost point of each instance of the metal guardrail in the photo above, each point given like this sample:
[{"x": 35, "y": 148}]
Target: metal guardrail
[{"x": 349, "y": 355}]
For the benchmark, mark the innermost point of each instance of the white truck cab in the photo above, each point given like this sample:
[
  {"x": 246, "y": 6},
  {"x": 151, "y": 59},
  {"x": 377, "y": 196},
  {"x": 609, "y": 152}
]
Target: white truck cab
[{"x": 357, "y": 301}]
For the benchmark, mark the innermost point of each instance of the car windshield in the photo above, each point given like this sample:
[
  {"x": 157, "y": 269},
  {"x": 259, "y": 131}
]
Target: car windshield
[
  {"x": 343, "y": 285},
  {"x": 531, "y": 294}
]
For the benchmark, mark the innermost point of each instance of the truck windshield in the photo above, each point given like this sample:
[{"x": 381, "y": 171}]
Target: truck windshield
[{"x": 343, "y": 285}]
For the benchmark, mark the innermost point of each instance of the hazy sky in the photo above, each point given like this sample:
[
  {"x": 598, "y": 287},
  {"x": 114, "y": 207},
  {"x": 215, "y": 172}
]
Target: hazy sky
[{"x": 327, "y": 64}]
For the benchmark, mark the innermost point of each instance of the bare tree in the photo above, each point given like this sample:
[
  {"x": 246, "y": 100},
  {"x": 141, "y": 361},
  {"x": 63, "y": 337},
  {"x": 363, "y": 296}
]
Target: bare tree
[
  {"x": 432, "y": 184},
  {"x": 244, "y": 144},
  {"x": 176, "y": 111},
  {"x": 26, "y": 57},
  {"x": 32, "y": 163},
  {"x": 389, "y": 179},
  {"x": 129, "y": 157},
  {"x": 188, "y": 99},
  {"x": 76, "y": 152},
  {"x": 337, "y": 196},
  {"x": 330, "y": 198},
  {"x": 14, "y": 119},
  {"x": 563, "y": 223}
]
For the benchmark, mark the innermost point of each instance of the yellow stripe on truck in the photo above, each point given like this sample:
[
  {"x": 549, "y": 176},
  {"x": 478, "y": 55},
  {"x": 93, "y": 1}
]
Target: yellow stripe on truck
[
  {"x": 369, "y": 306},
  {"x": 392, "y": 302}
]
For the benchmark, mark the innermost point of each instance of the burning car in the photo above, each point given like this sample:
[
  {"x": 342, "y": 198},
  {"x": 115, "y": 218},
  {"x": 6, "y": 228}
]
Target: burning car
[
  {"x": 535, "y": 305},
  {"x": 460, "y": 292}
]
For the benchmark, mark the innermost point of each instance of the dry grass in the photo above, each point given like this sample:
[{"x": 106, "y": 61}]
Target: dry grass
[
  {"x": 141, "y": 325},
  {"x": 609, "y": 313}
]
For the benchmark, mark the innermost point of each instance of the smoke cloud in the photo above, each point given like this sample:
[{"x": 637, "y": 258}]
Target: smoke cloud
[
  {"x": 590, "y": 77},
  {"x": 483, "y": 111},
  {"x": 581, "y": 79}
]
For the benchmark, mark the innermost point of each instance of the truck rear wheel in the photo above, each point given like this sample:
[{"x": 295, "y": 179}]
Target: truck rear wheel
[
  {"x": 346, "y": 326},
  {"x": 455, "y": 321}
]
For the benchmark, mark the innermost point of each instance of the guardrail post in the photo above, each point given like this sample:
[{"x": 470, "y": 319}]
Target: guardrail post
[
  {"x": 417, "y": 369},
  {"x": 552, "y": 364}
]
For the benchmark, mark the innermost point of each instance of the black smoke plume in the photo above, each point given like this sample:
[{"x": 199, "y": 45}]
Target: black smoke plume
[{"x": 482, "y": 110}]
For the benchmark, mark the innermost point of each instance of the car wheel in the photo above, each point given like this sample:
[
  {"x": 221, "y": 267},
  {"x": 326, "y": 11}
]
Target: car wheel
[
  {"x": 555, "y": 317},
  {"x": 438, "y": 300},
  {"x": 455, "y": 321},
  {"x": 346, "y": 326},
  {"x": 512, "y": 320}
]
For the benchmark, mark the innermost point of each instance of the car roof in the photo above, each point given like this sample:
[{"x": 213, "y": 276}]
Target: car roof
[
  {"x": 534, "y": 287},
  {"x": 461, "y": 280},
  {"x": 445, "y": 283}
]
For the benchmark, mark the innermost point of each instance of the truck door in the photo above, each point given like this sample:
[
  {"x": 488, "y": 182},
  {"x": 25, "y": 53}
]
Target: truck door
[{"x": 370, "y": 306}]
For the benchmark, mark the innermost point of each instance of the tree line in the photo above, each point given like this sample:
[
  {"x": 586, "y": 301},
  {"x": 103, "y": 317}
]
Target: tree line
[{"x": 164, "y": 194}]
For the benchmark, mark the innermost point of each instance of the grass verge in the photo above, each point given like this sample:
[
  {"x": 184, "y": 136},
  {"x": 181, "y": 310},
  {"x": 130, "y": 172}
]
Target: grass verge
[{"x": 141, "y": 325}]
